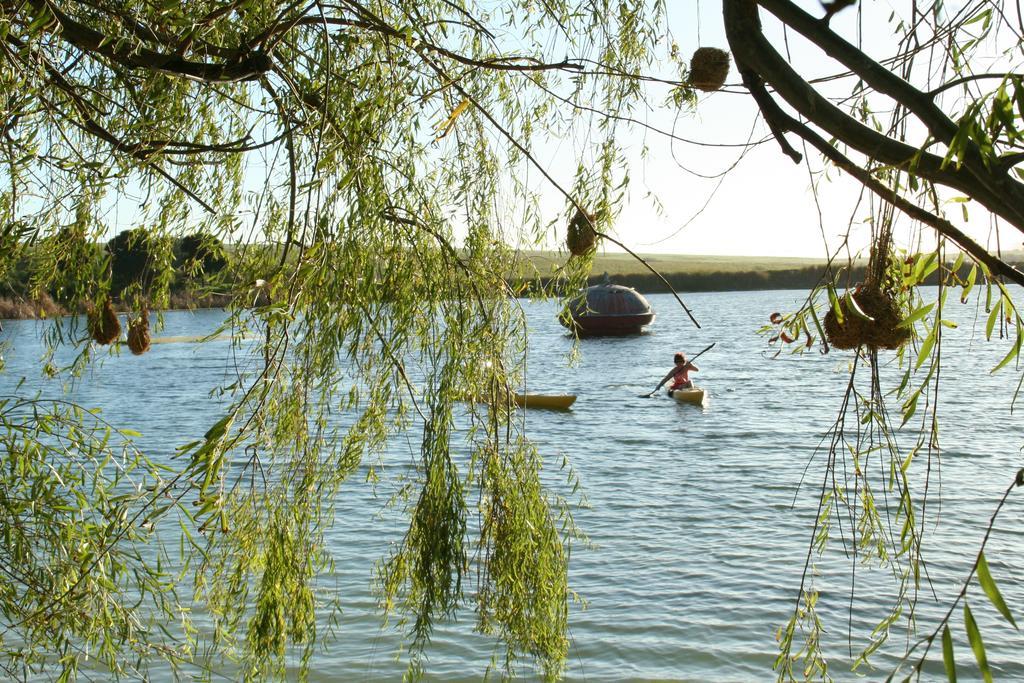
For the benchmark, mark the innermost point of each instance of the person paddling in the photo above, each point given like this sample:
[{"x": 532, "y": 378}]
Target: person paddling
[{"x": 680, "y": 374}]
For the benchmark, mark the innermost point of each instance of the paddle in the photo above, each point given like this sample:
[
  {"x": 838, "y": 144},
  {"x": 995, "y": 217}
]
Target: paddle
[{"x": 689, "y": 361}]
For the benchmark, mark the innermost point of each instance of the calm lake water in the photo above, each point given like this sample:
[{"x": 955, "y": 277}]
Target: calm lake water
[{"x": 699, "y": 525}]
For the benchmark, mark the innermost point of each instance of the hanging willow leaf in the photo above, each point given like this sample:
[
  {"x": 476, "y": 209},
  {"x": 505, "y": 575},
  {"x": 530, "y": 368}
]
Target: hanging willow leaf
[
  {"x": 1014, "y": 351},
  {"x": 925, "y": 267},
  {"x": 974, "y": 638},
  {"x": 926, "y": 347},
  {"x": 969, "y": 285},
  {"x": 854, "y": 307},
  {"x": 833, "y": 299},
  {"x": 947, "y": 654},
  {"x": 958, "y": 262},
  {"x": 916, "y": 315},
  {"x": 993, "y": 316},
  {"x": 909, "y": 408},
  {"x": 988, "y": 585}
]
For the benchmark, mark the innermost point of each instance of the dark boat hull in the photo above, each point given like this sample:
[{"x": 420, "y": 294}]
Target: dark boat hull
[{"x": 600, "y": 325}]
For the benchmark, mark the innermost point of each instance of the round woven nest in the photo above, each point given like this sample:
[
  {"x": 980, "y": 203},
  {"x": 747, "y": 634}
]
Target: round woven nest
[
  {"x": 581, "y": 238},
  {"x": 709, "y": 67},
  {"x": 883, "y": 332},
  {"x": 138, "y": 334},
  {"x": 104, "y": 326}
]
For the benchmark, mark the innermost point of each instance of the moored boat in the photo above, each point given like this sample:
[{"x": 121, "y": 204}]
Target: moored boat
[{"x": 608, "y": 309}]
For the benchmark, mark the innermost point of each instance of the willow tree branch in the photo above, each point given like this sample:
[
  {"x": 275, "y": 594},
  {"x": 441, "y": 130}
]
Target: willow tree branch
[
  {"x": 89, "y": 125},
  {"x": 873, "y": 74},
  {"x": 884, "y": 81},
  {"x": 752, "y": 50},
  {"x": 755, "y": 85},
  {"x": 241, "y": 65},
  {"x": 927, "y": 641},
  {"x": 783, "y": 121}
]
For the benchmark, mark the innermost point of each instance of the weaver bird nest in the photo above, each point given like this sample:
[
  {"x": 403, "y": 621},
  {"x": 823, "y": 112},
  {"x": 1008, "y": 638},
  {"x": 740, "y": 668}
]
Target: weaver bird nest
[
  {"x": 138, "y": 333},
  {"x": 708, "y": 68},
  {"x": 883, "y": 331},
  {"x": 104, "y": 326},
  {"x": 581, "y": 237}
]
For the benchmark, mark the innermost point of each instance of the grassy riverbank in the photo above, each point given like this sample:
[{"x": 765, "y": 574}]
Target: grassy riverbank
[{"x": 696, "y": 273}]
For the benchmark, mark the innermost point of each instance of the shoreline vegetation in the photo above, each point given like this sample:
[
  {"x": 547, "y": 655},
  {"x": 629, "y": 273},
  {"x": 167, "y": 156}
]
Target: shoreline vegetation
[
  {"x": 685, "y": 273},
  {"x": 693, "y": 273},
  {"x": 44, "y": 307}
]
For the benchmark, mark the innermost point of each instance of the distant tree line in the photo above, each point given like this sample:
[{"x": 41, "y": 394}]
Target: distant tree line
[{"x": 138, "y": 261}]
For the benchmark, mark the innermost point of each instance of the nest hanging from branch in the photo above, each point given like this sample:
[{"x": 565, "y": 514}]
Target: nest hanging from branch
[
  {"x": 104, "y": 326},
  {"x": 138, "y": 333},
  {"x": 882, "y": 300},
  {"x": 709, "y": 67},
  {"x": 581, "y": 237},
  {"x": 882, "y": 331}
]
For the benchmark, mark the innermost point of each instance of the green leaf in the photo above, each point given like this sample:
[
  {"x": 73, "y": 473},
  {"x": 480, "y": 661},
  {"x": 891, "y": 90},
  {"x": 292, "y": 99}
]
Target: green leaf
[
  {"x": 905, "y": 465},
  {"x": 851, "y": 303},
  {"x": 984, "y": 16},
  {"x": 218, "y": 429},
  {"x": 988, "y": 585},
  {"x": 925, "y": 267},
  {"x": 947, "y": 654},
  {"x": 974, "y": 638},
  {"x": 926, "y": 348},
  {"x": 817, "y": 323},
  {"x": 916, "y": 315},
  {"x": 834, "y": 301},
  {"x": 1013, "y": 353},
  {"x": 958, "y": 263},
  {"x": 971, "y": 278},
  {"x": 993, "y": 316},
  {"x": 909, "y": 408}
]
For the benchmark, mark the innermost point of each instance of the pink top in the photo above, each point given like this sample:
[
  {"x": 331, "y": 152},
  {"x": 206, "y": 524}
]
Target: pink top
[{"x": 681, "y": 378}]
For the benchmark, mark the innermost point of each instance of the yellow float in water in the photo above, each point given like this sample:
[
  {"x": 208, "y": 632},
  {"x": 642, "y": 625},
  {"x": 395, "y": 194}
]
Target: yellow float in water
[{"x": 550, "y": 401}]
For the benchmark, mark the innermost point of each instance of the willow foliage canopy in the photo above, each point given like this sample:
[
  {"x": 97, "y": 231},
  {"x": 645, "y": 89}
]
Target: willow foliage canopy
[
  {"x": 375, "y": 166},
  {"x": 339, "y": 148}
]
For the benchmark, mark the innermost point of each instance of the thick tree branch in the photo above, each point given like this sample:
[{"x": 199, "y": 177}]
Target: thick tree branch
[
  {"x": 752, "y": 50},
  {"x": 871, "y": 72},
  {"x": 884, "y": 81},
  {"x": 755, "y": 84},
  {"x": 243, "y": 65},
  {"x": 783, "y": 121}
]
